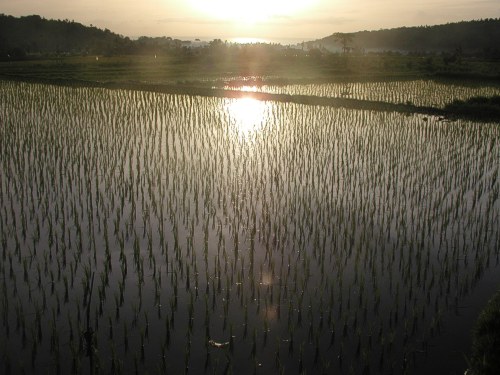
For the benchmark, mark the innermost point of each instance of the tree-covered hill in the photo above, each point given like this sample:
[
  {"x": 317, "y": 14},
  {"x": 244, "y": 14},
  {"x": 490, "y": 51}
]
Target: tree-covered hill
[
  {"x": 33, "y": 35},
  {"x": 473, "y": 37},
  {"x": 36, "y": 35}
]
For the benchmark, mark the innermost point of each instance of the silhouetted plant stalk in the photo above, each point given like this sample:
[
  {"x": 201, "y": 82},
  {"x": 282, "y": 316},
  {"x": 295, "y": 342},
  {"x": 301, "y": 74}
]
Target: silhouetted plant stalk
[{"x": 341, "y": 236}]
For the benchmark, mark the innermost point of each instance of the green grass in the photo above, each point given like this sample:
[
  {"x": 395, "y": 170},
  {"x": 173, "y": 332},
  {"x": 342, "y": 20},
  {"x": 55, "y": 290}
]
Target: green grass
[
  {"x": 486, "y": 340},
  {"x": 481, "y": 108},
  {"x": 203, "y": 68}
]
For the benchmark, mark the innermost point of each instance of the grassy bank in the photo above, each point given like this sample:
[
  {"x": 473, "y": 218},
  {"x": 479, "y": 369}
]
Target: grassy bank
[
  {"x": 476, "y": 108},
  {"x": 486, "y": 345},
  {"x": 294, "y": 67}
]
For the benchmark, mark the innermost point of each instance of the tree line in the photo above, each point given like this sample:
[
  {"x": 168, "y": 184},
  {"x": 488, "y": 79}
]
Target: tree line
[
  {"x": 32, "y": 36},
  {"x": 479, "y": 37}
]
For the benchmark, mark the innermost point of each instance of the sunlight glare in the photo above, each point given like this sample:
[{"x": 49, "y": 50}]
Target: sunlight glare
[
  {"x": 250, "y": 12},
  {"x": 247, "y": 114},
  {"x": 248, "y": 88}
]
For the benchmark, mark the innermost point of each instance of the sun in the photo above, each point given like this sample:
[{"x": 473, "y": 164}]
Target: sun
[{"x": 249, "y": 11}]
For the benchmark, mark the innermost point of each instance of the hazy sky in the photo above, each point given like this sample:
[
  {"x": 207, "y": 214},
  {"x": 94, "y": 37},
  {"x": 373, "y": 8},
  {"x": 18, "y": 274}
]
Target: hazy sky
[{"x": 306, "y": 19}]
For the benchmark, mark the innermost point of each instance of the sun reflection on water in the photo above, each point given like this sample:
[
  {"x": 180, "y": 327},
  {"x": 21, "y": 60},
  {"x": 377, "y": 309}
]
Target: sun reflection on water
[
  {"x": 247, "y": 115},
  {"x": 248, "y": 88}
]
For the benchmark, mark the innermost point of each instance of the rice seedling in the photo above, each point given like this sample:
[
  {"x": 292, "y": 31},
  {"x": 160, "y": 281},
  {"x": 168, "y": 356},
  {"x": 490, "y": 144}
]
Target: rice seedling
[
  {"x": 352, "y": 234},
  {"x": 419, "y": 92}
]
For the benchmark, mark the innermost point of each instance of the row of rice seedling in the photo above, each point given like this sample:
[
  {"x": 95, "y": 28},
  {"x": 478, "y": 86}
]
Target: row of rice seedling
[
  {"x": 418, "y": 92},
  {"x": 163, "y": 233}
]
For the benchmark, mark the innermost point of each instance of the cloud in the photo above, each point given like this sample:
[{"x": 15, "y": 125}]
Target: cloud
[
  {"x": 307, "y": 21},
  {"x": 276, "y": 20}
]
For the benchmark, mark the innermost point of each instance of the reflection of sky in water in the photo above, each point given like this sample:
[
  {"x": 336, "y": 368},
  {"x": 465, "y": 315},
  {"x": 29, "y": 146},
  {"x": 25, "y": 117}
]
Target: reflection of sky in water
[
  {"x": 327, "y": 220},
  {"x": 266, "y": 279},
  {"x": 249, "y": 88},
  {"x": 270, "y": 313},
  {"x": 418, "y": 92}
]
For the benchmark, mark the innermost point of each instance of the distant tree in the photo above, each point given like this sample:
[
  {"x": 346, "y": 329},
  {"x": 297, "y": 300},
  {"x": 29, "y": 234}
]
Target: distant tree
[
  {"x": 458, "y": 53},
  {"x": 216, "y": 43},
  {"x": 216, "y": 47},
  {"x": 315, "y": 53},
  {"x": 474, "y": 37},
  {"x": 345, "y": 40}
]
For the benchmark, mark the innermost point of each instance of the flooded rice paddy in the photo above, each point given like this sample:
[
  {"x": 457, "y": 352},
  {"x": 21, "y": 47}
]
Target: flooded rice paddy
[
  {"x": 144, "y": 232},
  {"x": 426, "y": 93}
]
